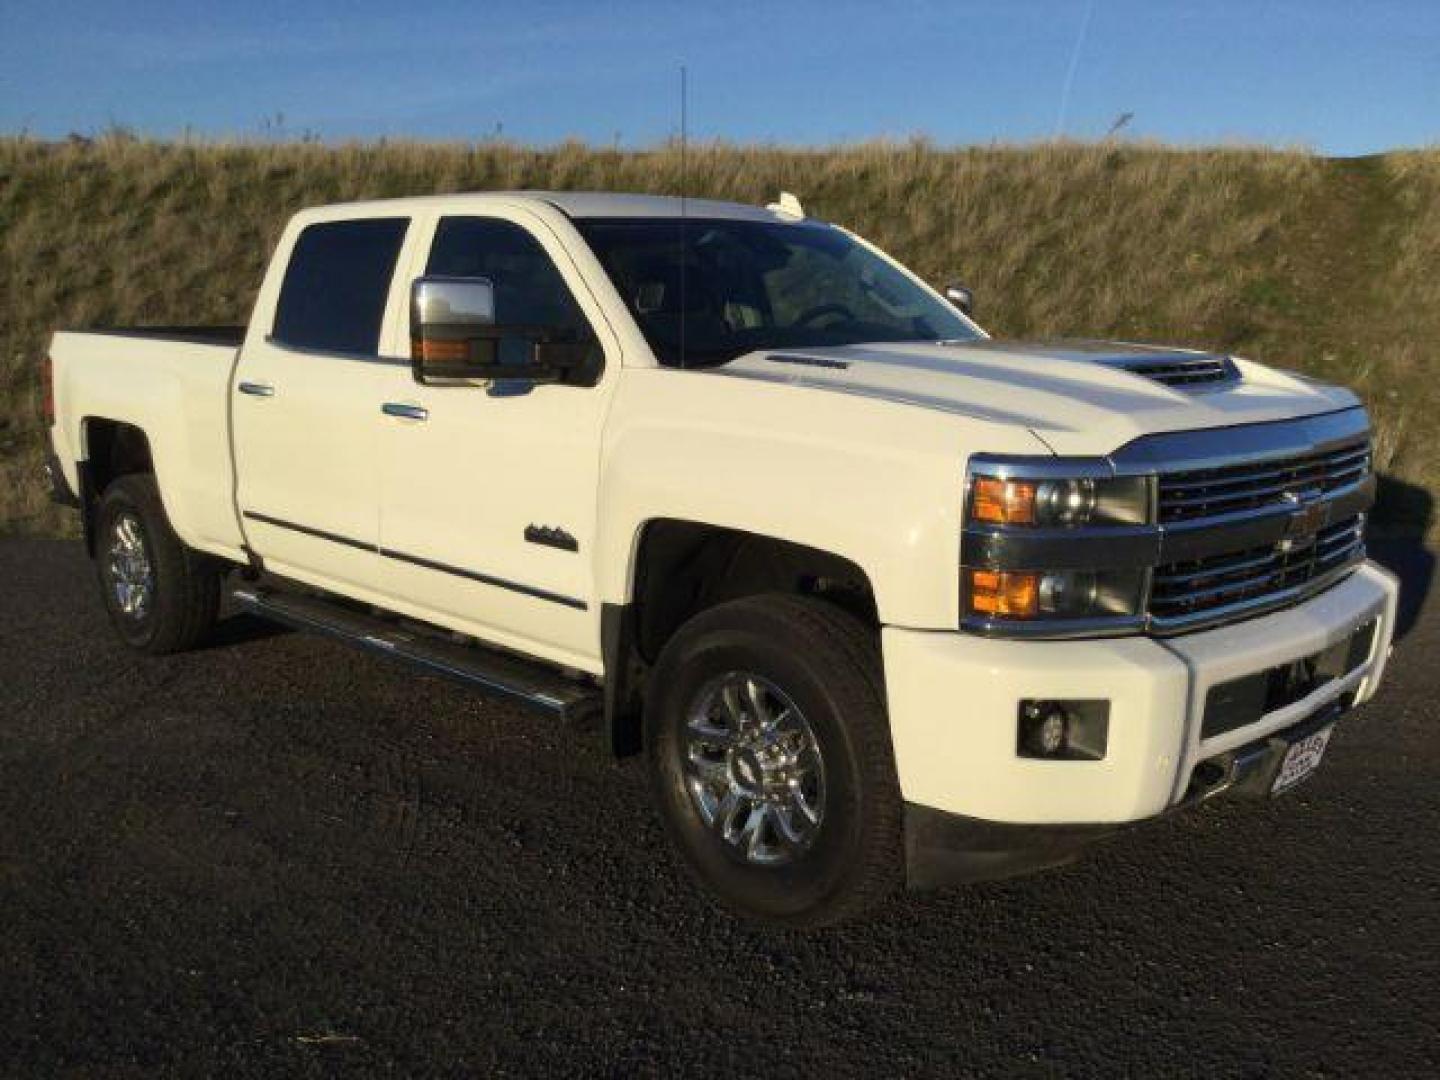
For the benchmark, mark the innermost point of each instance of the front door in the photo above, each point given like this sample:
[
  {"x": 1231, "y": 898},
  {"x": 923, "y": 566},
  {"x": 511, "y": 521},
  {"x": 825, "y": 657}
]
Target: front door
[{"x": 489, "y": 497}]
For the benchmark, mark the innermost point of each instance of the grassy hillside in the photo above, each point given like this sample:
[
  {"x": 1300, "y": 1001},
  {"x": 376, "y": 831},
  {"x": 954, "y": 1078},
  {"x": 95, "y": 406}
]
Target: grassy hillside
[{"x": 1327, "y": 266}]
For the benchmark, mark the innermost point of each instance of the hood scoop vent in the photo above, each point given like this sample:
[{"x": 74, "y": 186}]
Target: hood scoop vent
[
  {"x": 1183, "y": 373},
  {"x": 801, "y": 360}
]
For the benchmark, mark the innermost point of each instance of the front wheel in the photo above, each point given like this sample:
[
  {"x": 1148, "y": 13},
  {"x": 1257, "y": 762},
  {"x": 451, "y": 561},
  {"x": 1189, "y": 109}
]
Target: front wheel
[{"x": 770, "y": 755}]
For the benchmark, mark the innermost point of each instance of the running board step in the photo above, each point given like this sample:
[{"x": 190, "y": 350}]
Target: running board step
[{"x": 497, "y": 673}]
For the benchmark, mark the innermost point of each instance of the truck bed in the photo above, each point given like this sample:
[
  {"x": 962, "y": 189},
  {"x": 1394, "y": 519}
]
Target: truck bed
[{"x": 172, "y": 383}]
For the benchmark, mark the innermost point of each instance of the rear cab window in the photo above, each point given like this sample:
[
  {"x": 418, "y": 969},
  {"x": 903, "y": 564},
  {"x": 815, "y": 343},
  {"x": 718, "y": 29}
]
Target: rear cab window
[{"x": 335, "y": 288}]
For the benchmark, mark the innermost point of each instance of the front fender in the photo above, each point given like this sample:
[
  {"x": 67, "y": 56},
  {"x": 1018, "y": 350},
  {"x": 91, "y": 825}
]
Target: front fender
[{"x": 875, "y": 482}]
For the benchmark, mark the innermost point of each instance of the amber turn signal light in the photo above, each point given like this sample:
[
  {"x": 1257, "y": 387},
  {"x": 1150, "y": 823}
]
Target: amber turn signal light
[
  {"x": 1003, "y": 502},
  {"x": 1013, "y": 594},
  {"x": 434, "y": 351}
]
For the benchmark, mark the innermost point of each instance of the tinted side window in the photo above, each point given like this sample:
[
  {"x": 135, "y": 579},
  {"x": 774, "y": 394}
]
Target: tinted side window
[
  {"x": 333, "y": 296},
  {"x": 528, "y": 288}
]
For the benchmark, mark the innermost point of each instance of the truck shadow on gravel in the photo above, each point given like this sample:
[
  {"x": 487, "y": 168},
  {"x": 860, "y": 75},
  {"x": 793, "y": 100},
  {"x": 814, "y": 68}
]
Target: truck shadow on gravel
[
  {"x": 1404, "y": 551},
  {"x": 237, "y": 628}
]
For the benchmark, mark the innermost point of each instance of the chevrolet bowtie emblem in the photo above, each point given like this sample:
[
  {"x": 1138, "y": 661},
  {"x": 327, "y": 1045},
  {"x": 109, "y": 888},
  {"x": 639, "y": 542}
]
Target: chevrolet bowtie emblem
[{"x": 1308, "y": 518}]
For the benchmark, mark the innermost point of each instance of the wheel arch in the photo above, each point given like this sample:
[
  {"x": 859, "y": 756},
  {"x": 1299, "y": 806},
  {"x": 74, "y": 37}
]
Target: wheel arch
[
  {"x": 112, "y": 448},
  {"x": 680, "y": 568}
]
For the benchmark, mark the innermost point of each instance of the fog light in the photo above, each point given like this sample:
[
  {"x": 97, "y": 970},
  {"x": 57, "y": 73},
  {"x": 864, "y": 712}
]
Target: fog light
[
  {"x": 1048, "y": 725},
  {"x": 1069, "y": 730}
]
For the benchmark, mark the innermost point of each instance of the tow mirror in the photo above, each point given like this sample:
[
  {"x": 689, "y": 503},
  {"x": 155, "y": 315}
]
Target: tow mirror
[
  {"x": 455, "y": 339},
  {"x": 961, "y": 297}
]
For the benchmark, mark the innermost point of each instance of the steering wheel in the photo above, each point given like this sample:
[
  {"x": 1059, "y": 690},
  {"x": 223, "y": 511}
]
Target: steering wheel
[{"x": 819, "y": 311}]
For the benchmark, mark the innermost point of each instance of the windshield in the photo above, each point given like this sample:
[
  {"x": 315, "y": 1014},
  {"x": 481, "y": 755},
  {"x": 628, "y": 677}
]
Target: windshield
[{"x": 751, "y": 285}]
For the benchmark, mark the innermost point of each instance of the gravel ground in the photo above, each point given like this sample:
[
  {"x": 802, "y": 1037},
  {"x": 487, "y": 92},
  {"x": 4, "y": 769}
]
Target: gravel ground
[{"x": 279, "y": 856}]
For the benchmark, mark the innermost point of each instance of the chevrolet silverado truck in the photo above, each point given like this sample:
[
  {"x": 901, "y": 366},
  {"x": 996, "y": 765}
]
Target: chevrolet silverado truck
[{"x": 882, "y": 601}]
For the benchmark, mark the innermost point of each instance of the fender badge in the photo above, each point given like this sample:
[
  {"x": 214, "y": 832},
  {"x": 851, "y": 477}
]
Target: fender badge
[{"x": 551, "y": 536}]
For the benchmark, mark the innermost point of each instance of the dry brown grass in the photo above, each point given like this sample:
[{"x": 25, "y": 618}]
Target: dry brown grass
[{"x": 1289, "y": 258}]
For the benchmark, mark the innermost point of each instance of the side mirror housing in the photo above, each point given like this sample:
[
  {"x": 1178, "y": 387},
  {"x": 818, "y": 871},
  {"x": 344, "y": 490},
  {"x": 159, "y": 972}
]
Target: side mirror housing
[
  {"x": 452, "y": 330},
  {"x": 455, "y": 340},
  {"x": 961, "y": 297}
]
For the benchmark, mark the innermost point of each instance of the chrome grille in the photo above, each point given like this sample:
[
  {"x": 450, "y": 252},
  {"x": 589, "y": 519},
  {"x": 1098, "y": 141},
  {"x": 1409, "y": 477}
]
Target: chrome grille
[
  {"x": 1202, "y": 493},
  {"x": 1254, "y": 576},
  {"x": 1209, "y": 369}
]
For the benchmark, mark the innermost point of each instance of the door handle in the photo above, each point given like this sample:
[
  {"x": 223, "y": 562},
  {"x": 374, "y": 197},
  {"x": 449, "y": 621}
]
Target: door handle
[
  {"x": 403, "y": 411},
  {"x": 257, "y": 389}
]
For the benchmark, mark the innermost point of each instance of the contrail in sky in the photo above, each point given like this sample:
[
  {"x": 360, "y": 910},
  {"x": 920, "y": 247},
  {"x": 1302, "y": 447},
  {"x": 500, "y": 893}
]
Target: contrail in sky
[{"x": 1070, "y": 75}]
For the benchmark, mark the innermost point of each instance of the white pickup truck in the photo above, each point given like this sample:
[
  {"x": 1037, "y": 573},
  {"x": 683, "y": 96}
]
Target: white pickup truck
[{"x": 882, "y": 600}]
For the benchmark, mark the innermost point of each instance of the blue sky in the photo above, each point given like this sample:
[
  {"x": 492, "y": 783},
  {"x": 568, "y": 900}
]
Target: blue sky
[{"x": 1342, "y": 77}]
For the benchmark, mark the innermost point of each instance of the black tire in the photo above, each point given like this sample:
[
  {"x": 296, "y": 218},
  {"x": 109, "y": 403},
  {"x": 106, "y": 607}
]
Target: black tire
[
  {"x": 184, "y": 594},
  {"x": 828, "y": 665}
]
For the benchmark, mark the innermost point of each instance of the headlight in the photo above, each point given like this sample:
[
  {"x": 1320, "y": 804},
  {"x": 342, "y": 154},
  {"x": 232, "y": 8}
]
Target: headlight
[
  {"x": 1060, "y": 502},
  {"x": 1053, "y": 594},
  {"x": 1053, "y": 541}
]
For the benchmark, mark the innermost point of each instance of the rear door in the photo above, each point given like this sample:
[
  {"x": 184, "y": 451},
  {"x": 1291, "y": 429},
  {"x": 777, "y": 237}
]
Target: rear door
[{"x": 305, "y": 405}]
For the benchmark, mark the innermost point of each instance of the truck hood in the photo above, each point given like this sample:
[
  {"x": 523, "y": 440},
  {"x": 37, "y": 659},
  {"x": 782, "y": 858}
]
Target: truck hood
[{"x": 1078, "y": 397}]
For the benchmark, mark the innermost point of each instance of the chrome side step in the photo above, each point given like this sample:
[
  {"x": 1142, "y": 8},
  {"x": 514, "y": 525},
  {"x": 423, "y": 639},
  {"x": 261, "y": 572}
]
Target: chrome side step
[{"x": 501, "y": 674}]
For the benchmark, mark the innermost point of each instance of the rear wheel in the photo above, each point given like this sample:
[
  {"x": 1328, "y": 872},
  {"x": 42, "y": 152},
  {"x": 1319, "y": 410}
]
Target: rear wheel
[
  {"x": 770, "y": 755},
  {"x": 161, "y": 596}
]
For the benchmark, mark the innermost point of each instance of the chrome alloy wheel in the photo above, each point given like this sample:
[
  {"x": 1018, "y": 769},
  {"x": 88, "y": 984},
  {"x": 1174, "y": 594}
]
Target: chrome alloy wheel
[
  {"x": 132, "y": 577},
  {"x": 754, "y": 770}
]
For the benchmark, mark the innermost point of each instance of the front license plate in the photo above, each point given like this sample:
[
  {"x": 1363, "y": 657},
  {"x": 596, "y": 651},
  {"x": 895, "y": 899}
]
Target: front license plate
[{"x": 1301, "y": 759}]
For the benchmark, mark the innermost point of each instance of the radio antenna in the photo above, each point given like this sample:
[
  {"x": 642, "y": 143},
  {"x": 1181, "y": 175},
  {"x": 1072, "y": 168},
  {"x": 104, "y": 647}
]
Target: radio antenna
[{"x": 684, "y": 209}]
